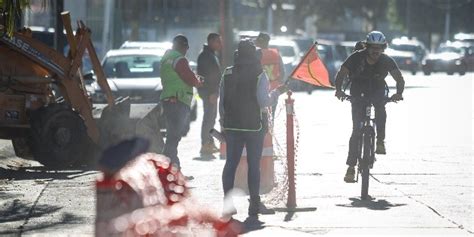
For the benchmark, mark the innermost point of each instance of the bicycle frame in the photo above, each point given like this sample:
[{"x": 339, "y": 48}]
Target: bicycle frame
[{"x": 366, "y": 146}]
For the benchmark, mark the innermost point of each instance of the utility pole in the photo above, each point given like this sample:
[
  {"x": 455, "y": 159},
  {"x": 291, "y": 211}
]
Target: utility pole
[
  {"x": 165, "y": 18},
  {"x": 58, "y": 31},
  {"x": 270, "y": 17},
  {"x": 447, "y": 22},
  {"x": 226, "y": 26},
  {"x": 408, "y": 16},
  {"x": 108, "y": 31}
]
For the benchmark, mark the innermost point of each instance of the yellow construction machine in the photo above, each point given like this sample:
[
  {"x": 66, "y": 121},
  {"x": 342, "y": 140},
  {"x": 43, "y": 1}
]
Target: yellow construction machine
[{"x": 44, "y": 107}]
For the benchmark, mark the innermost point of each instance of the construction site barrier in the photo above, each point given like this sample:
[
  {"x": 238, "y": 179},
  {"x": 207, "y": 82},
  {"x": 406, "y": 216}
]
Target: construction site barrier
[{"x": 267, "y": 169}]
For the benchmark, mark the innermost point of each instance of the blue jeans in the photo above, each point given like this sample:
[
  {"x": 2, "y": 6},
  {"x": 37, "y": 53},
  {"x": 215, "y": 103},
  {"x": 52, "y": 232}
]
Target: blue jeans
[
  {"x": 208, "y": 120},
  {"x": 236, "y": 140},
  {"x": 177, "y": 116}
]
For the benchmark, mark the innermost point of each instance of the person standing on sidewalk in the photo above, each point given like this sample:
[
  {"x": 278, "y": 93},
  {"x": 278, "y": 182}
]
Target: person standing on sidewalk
[
  {"x": 178, "y": 80},
  {"x": 242, "y": 108},
  {"x": 208, "y": 66},
  {"x": 272, "y": 63}
]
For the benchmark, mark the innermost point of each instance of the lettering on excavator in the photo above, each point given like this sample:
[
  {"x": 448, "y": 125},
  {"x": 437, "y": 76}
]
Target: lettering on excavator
[{"x": 19, "y": 44}]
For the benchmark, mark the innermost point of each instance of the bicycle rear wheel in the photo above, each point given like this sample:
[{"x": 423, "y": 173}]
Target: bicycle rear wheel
[{"x": 367, "y": 159}]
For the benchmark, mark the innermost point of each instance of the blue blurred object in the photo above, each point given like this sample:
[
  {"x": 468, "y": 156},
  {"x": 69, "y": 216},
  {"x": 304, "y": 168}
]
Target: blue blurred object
[{"x": 117, "y": 156}]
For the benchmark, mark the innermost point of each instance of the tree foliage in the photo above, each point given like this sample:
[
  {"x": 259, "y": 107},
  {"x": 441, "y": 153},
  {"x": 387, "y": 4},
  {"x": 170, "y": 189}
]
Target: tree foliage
[
  {"x": 10, "y": 11},
  {"x": 429, "y": 16}
]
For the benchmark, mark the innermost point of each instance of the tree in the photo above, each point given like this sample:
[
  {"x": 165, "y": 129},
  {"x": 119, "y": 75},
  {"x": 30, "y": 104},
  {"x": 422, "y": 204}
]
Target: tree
[
  {"x": 423, "y": 18},
  {"x": 10, "y": 13}
]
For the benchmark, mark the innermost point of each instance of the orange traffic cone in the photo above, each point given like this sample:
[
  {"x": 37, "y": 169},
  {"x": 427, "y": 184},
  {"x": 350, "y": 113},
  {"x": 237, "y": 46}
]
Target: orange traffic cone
[{"x": 267, "y": 169}]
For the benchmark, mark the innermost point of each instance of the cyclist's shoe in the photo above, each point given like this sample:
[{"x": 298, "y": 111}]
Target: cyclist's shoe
[
  {"x": 350, "y": 175},
  {"x": 380, "y": 148}
]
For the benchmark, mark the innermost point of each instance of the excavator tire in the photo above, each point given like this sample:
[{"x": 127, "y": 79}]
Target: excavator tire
[{"x": 59, "y": 137}]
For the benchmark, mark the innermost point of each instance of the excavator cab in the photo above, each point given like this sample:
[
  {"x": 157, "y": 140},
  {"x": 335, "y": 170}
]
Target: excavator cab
[{"x": 44, "y": 107}]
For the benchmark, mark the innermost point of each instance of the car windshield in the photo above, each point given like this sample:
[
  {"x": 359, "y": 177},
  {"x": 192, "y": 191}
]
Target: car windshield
[
  {"x": 285, "y": 51},
  {"x": 304, "y": 44},
  {"x": 132, "y": 66},
  {"x": 323, "y": 51},
  {"x": 447, "y": 49}
]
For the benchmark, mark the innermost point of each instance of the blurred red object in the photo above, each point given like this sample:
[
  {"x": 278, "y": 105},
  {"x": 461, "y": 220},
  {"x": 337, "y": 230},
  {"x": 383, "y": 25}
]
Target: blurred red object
[{"x": 149, "y": 197}]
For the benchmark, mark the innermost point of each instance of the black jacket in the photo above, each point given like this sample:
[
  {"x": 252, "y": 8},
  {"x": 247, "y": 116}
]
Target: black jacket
[{"x": 208, "y": 66}]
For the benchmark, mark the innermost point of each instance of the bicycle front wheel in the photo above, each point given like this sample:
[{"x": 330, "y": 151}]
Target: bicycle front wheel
[{"x": 367, "y": 154}]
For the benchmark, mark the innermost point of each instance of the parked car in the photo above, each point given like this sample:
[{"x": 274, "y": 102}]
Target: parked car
[
  {"x": 154, "y": 45},
  {"x": 450, "y": 57},
  {"x": 406, "y": 60},
  {"x": 333, "y": 54},
  {"x": 465, "y": 37},
  {"x": 291, "y": 56},
  {"x": 135, "y": 74},
  {"x": 349, "y": 46},
  {"x": 289, "y": 51},
  {"x": 164, "y": 45},
  {"x": 414, "y": 46}
]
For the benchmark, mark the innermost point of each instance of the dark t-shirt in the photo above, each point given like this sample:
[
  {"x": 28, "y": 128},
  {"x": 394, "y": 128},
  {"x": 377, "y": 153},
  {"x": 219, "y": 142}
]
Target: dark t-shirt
[{"x": 366, "y": 78}]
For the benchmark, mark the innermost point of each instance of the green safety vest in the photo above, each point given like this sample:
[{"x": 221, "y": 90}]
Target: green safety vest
[{"x": 173, "y": 85}]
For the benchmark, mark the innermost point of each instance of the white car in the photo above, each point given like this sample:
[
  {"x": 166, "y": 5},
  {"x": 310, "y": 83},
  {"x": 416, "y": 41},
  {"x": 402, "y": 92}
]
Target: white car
[
  {"x": 146, "y": 45},
  {"x": 134, "y": 73},
  {"x": 289, "y": 51}
]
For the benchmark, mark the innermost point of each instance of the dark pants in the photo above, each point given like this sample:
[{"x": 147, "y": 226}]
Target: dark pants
[
  {"x": 358, "y": 115},
  {"x": 253, "y": 141},
  {"x": 273, "y": 111},
  {"x": 208, "y": 120},
  {"x": 177, "y": 116}
]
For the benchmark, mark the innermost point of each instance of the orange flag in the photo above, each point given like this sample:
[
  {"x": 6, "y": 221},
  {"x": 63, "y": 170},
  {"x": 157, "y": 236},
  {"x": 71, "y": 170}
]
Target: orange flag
[{"x": 312, "y": 70}]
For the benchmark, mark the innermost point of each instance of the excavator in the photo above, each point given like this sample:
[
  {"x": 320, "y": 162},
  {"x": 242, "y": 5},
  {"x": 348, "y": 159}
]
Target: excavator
[{"x": 44, "y": 107}]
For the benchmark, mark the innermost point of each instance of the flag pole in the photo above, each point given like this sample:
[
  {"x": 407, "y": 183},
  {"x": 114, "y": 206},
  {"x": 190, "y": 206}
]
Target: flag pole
[
  {"x": 302, "y": 60},
  {"x": 290, "y": 156}
]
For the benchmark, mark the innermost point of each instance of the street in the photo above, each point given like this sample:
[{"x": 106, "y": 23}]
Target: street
[{"x": 423, "y": 186}]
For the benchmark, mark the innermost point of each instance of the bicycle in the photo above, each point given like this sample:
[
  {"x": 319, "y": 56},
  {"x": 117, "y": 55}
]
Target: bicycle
[{"x": 366, "y": 144}]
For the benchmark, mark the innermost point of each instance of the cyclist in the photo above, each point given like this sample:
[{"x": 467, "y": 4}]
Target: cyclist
[{"x": 367, "y": 69}]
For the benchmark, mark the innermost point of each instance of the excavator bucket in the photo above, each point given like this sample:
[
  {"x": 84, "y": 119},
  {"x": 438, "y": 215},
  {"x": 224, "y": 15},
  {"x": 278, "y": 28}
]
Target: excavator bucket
[
  {"x": 149, "y": 127},
  {"x": 115, "y": 124}
]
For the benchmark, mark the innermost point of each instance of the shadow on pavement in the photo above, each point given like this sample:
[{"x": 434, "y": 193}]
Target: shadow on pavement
[
  {"x": 5, "y": 196},
  {"x": 66, "y": 218},
  {"x": 251, "y": 224},
  {"x": 371, "y": 204},
  {"x": 40, "y": 172},
  {"x": 17, "y": 210},
  {"x": 205, "y": 158}
]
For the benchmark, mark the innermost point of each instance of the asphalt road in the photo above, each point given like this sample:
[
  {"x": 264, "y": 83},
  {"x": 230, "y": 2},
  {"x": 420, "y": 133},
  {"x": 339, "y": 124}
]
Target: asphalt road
[{"x": 424, "y": 185}]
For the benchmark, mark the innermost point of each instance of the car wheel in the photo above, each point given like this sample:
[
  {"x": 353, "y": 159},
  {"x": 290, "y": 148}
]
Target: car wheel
[
  {"x": 462, "y": 70},
  {"x": 450, "y": 73},
  {"x": 413, "y": 72},
  {"x": 427, "y": 72}
]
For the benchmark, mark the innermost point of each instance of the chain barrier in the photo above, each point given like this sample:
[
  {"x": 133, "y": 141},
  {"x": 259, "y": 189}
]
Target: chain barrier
[{"x": 279, "y": 194}]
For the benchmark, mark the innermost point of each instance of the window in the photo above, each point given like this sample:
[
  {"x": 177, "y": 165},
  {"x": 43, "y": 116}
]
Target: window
[{"x": 132, "y": 66}]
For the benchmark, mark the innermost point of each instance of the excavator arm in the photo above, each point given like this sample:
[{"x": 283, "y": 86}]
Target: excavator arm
[{"x": 64, "y": 70}]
